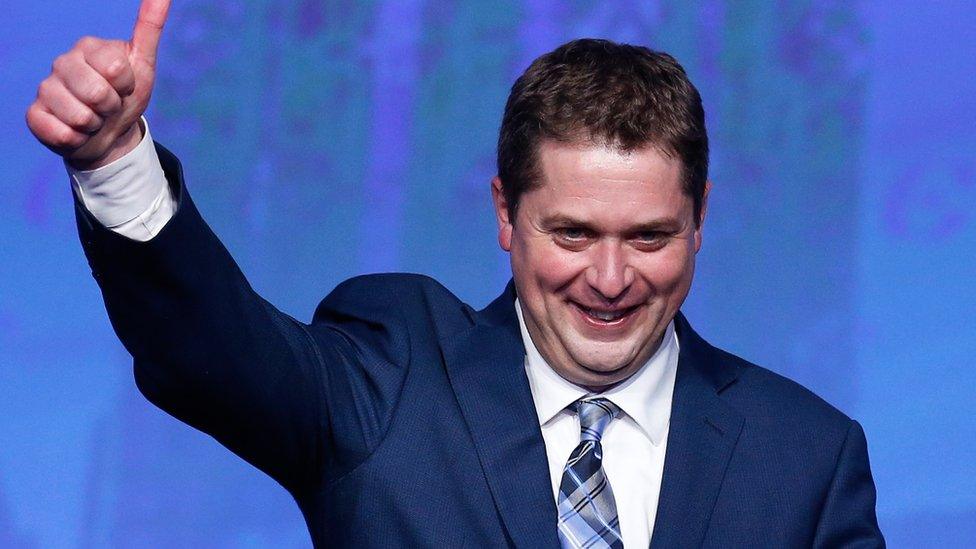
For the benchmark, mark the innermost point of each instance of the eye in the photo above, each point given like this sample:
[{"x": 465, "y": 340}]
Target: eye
[
  {"x": 651, "y": 239},
  {"x": 572, "y": 233},
  {"x": 572, "y": 238}
]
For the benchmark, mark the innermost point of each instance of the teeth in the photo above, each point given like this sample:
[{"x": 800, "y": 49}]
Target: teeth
[{"x": 606, "y": 317}]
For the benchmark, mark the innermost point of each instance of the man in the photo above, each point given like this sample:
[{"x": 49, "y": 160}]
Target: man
[{"x": 578, "y": 409}]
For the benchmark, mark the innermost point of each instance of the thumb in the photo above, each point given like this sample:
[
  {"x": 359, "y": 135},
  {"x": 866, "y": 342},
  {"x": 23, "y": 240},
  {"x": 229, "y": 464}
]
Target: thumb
[{"x": 148, "y": 29}]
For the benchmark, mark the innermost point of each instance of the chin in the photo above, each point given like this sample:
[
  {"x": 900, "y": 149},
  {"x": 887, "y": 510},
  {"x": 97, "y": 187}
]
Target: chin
[
  {"x": 599, "y": 380},
  {"x": 606, "y": 367}
]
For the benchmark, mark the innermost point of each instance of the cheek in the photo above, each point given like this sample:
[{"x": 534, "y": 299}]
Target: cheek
[
  {"x": 669, "y": 271},
  {"x": 557, "y": 268},
  {"x": 546, "y": 264}
]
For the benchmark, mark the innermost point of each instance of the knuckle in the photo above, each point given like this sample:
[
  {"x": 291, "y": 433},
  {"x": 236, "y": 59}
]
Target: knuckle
[
  {"x": 44, "y": 88},
  {"x": 82, "y": 119},
  {"x": 58, "y": 64},
  {"x": 98, "y": 93},
  {"x": 115, "y": 66},
  {"x": 59, "y": 138},
  {"x": 31, "y": 117},
  {"x": 86, "y": 42},
  {"x": 65, "y": 138},
  {"x": 66, "y": 62}
]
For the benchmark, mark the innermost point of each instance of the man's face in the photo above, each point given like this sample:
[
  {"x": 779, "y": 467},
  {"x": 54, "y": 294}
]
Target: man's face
[{"x": 603, "y": 253}]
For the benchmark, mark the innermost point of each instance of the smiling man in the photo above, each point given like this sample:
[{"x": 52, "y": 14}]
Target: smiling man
[
  {"x": 602, "y": 256},
  {"x": 579, "y": 409}
]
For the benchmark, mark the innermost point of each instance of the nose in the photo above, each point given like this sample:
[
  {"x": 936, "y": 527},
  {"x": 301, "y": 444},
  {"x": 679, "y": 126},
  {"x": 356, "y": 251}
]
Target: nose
[{"x": 609, "y": 273}]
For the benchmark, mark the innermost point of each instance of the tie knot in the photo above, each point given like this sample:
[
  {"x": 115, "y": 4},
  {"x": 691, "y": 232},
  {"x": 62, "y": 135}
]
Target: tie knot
[{"x": 594, "y": 414}]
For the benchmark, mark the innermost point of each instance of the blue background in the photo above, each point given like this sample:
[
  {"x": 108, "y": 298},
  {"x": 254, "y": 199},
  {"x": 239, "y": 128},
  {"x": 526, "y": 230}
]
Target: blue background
[{"x": 323, "y": 139}]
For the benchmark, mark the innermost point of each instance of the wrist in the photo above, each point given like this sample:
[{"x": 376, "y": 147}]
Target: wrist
[{"x": 125, "y": 143}]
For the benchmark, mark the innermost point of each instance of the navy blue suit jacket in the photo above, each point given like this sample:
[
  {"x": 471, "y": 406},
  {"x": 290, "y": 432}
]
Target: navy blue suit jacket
[{"x": 401, "y": 417}]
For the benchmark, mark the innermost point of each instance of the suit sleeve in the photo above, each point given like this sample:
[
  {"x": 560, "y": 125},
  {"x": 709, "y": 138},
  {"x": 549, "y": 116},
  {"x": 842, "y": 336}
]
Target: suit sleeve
[
  {"x": 211, "y": 352},
  {"x": 848, "y": 516}
]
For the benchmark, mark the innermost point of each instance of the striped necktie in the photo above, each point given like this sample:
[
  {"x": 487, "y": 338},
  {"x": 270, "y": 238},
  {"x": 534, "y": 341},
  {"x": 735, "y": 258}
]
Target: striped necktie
[{"x": 587, "y": 512}]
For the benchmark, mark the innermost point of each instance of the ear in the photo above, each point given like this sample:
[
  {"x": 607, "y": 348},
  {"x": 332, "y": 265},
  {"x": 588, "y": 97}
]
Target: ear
[
  {"x": 501, "y": 214},
  {"x": 701, "y": 217}
]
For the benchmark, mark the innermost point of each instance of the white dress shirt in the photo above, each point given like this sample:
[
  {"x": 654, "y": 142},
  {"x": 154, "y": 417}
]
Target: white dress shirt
[
  {"x": 131, "y": 197},
  {"x": 634, "y": 443}
]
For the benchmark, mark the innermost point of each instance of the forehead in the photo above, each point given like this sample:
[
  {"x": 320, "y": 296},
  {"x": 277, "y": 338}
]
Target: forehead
[{"x": 599, "y": 182}]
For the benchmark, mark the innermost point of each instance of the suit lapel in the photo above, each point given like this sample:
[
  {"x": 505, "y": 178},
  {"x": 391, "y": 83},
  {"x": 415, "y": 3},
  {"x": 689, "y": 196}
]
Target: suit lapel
[
  {"x": 485, "y": 364},
  {"x": 702, "y": 435}
]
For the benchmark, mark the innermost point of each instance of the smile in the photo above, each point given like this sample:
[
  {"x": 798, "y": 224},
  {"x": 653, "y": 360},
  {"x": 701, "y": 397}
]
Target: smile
[{"x": 604, "y": 316}]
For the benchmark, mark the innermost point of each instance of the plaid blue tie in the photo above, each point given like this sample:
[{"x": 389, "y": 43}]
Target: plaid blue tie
[{"x": 587, "y": 512}]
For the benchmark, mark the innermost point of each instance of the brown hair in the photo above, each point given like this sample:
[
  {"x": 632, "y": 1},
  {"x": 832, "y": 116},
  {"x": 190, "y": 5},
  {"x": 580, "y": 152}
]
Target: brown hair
[{"x": 598, "y": 91}]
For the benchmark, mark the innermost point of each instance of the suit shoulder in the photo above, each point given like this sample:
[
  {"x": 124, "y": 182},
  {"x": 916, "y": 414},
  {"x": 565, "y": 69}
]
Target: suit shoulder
[
  {"x": 766, "y": 394},
  {"x": 387, "y": 283},
  {"x": 388, "y": 293}
]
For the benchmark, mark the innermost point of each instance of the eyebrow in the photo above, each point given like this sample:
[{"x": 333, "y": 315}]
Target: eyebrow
[{"x": 562, "y": 220}]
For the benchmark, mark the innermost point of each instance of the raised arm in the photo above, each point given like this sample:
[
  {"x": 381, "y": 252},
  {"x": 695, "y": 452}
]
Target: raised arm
[{"x": 206, "y": 348}]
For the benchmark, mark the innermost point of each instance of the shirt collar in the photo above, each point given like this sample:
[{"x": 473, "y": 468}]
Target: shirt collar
[{"x": 645, "y": 396}]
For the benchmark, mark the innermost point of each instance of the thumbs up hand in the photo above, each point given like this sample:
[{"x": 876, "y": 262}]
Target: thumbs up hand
[{"x": 88, "y": 109}]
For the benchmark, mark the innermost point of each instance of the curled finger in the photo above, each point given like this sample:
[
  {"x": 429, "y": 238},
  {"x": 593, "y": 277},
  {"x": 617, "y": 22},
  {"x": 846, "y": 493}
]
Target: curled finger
[
  {"x": 52, "y": 132},
  {"x": 56, "y": 99},
  {"x": 89, "y": 87},
  {"x": 110, "y": 61}
]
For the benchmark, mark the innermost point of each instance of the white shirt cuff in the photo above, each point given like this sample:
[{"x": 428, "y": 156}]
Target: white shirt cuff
[{"x": 129, "y": 196}]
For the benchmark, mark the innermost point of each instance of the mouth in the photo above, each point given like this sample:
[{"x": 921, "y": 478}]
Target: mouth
[{"x": 604, "y": 316}]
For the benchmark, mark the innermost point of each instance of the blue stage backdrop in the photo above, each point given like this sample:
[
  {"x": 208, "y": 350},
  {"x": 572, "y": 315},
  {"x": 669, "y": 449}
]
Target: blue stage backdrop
[{"x": 323, "y": 139}]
